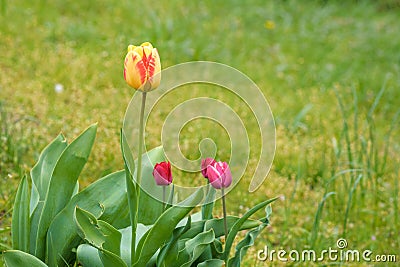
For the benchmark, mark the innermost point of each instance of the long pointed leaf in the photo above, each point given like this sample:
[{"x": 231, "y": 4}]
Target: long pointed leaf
[
  {"x": 218, "y": 226},
  {"x": 20, "y": 219},
  {"x": 211, "y": 263},
  {"x": 248, "y": 241},
  {"x": 150, "y": 208},
  {"x": 62, "y": 183},
  {"x": 41, "y": 172},
  {"x": 40, "y": 176},
  {"x": 17, "y": 258},
  {"x": 98, "y": 233},
  {"x": 177, "y": 233},
  {"x": 236, "y": 227},
  {"x": 107, "y": 205},
  {"x": 88, "y": 256},
  {"x": 196, "y": 246},
  {"x": 207, "y": 208},
  {"x": 164, "y": 227}
]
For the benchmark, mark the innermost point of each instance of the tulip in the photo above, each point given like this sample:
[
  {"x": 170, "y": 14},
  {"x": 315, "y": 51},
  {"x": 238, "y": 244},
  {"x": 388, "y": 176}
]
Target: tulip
[
  {"x": 142, "y": 67},
  {"x": 162, "y": 173},
  {"x": 204, "y": 164},
  {"x": 219, "y": 175}
]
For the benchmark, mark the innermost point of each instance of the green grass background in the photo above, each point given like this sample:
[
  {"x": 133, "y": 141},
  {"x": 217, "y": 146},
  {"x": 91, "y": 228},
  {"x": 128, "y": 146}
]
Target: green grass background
[{"x": 329, "y": 69}]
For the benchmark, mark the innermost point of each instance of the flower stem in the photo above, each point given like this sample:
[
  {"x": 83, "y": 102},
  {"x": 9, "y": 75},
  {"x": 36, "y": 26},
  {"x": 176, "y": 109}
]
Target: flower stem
[
  {"x": 138, "y": 177},
  {"x": 225, "y": 224},
  {"x": 224, "y": 210},
  {"x": 163, "y": 197}
]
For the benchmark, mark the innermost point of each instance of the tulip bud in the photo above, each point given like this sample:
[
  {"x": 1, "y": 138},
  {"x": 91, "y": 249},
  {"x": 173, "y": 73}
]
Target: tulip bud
[
  {"x": 219, "y": 175},
  {"x": 142, "y": 67},
  {"x": 204, "y": 164},
  {"x": 162, "y": 173}
]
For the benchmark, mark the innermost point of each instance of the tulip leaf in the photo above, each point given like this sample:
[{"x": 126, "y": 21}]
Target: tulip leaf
[
  {"x": 88, "y": 256},
  {"x": 150, "y": 208},
  {"x": 20, "y": 219},
  {"x": 245, "y": 244},
  {"x": 98, "y": 233},
  {"x": 207, "y": 208},
  {"x": 163, "y": 228},
  {"x": 40, "y": 176},
  {"x": 105, "y": 204},
  {"x": 127, "y": 153},
  {"x": 129, "y": 165},
  {"x": 17, "y": 258},
  {"x": 211, "y": 263},
  {"x": 94, "y": 257},
  {"x": 218, "y": 226},
  {"x": 62, "y": 183},
  {"x": 41, "y": 172},
  {"x": 126, "y": 240},
  {"x": 176, "y": 234},
  {"x": 238, "y": 224},
  {"x": 110, "y": 259},
  {"x": 101, "y": 235},
  {"x": 194, "y": 248}
]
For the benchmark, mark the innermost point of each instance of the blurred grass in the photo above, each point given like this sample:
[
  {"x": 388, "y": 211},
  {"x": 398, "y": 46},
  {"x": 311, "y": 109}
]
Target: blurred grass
[{"x": 304, "y": 55}]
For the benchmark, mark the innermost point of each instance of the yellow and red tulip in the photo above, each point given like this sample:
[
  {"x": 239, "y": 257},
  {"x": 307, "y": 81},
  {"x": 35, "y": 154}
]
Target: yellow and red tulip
[{"x": 142, "y": 67}]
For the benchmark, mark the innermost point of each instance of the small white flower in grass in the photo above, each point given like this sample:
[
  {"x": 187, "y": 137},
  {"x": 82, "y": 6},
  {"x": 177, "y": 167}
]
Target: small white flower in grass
[
  {"x": 58, "y": 88},
  {"x": 373, "y": 238}
]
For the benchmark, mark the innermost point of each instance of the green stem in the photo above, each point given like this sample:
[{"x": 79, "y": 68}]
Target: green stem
[
  {"x": 224, "y": 210},
  {"x": 138, "y": 177},
  {"x": 163, "y": 197}
]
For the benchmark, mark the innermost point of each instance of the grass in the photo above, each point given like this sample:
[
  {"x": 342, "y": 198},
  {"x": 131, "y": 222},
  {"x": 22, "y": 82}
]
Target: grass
[{"x": 329, "y": 69}]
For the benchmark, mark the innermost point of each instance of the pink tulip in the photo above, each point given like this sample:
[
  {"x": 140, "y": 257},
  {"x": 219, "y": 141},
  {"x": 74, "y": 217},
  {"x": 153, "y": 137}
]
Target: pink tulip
[
  {"x": 219, "y": 175},
  {"x": 162, "y": 173},
  {"x": 204, "y": 164}
]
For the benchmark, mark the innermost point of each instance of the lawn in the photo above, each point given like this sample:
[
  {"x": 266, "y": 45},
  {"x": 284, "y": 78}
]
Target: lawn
[{"x": 330, "y": 71}]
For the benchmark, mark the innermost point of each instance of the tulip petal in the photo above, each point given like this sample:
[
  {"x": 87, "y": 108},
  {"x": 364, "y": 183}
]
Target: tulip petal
[
  {"x": 133, "y": 72},
  {"x": 154, "y": 69}
]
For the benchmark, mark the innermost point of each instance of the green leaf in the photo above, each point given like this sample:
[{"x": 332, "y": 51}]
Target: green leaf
[
  {"x": 126, "y": 240},
  {"x": 163, "y": 228},
  {"x": 17, "y": 258},
  {"x": 218, "y": 226},
  {"x": 248, "y": 241},
  {"x": 88, "y": 256},
  {"x": 129, "y": 165},
  {"x": 238, "y": 224},
  {"x": 176, "y": 234},
  {"x": 127, "y": 153},
  {"x": 98, "y": 233},
  {"x": 110, "y": 259},
  {"x": 62, "y": 183},
  {"x": 207, "y": 209},
  {"x": 150, "y": 208},
  {"x": 195, "y": 247},
  {"x": 20, "y": 219},
  {"x": 105, "y": 204},
  {"x": 211, "y": 263},
  {"x": 41, "y": 172},
  {"x": 244, "y": 245},
  {"x": 40, "y": 176}
]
